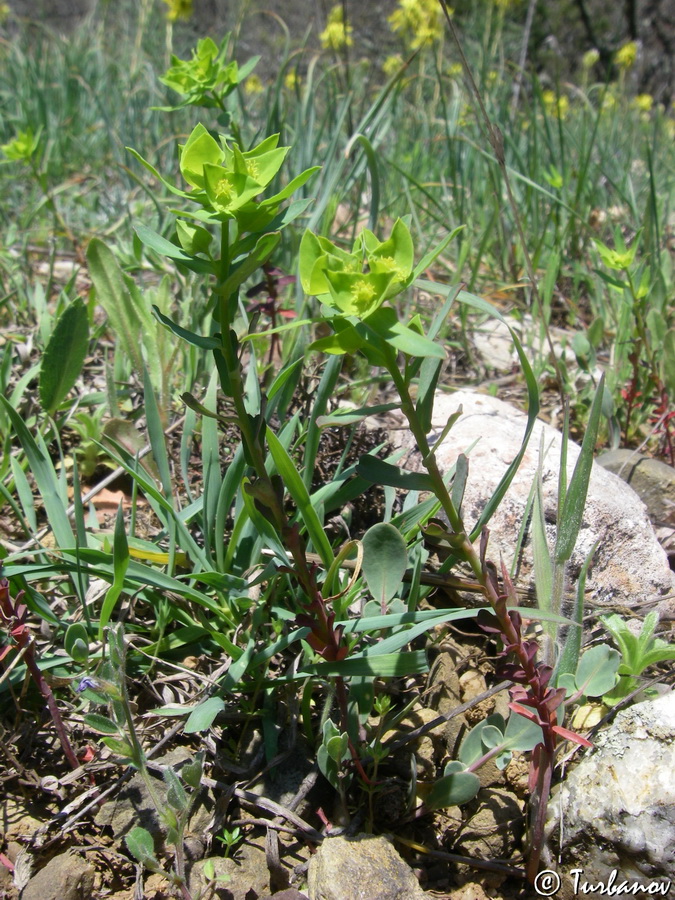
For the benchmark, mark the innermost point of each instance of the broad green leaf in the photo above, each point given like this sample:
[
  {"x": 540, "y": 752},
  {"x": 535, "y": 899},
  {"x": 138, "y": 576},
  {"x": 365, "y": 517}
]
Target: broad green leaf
[
  {"x": 100, "y": 723},
  {"x": 192, "y": 771},
  {"x": 76, "y": 642},
  {"x": 358, "y": 293},
  {"x": 521, "y": 733},
  {"x": 384, "y": 322},
  {"x": 385, "y": 559},
  {"x": 202, "y": 716},
  {"x": 453, "y": 789},
  {"x": 64, "y": 355},
  {"x": 141, "y": 845},
  {"x": 472, "y": 746},
  {"x": 176, "y": 795},
  {"x": 597, "y": 670}
]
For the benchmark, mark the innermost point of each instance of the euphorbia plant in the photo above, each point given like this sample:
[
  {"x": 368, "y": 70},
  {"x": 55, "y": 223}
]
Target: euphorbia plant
[
  {"x": 228, "y": 230},
  {"x": 354, "y": 288}
]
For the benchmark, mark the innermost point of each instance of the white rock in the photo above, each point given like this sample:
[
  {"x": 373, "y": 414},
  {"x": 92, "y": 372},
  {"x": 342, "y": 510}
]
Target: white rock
[
  {"x": 629, "y": 568},
  {"x": 617, "y": 806}
]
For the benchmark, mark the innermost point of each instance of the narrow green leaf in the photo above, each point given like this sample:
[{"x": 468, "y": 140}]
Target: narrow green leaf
[
  {"x": 206, "y": 343},
  {"x": 166, "y": 248},
  {"x": 45, "y": 477},
  {"x": 126, "y": 318},
  {"x": 573, "y": 510},
  {"x": 349, "y": 416},
  {"x": 543, "y": 569},
  {"x": 376, "y": 471},
  {"x": 569, "y": 657},
  {"x": 64, "y": 355},
  {"x": 324, "y": 392},
  {"x": 371, "y": 160},
  {"x": 386, "y": 665},
  {"x": 459, "y": 481},
  {"x": 426, "y": 391},
  {"x": 120, "y": 565},
  {"x": 242, "y": 270},
  {"x": 296, "y": 488}
]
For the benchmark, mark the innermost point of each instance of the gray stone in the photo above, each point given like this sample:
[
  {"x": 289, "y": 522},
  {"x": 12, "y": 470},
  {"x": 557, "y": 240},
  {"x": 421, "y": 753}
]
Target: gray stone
[
  {"x": 66, "y": 877},
  {"x": 630, "y": 568},
  {"x": 361, "y": 868},
  {"x": 652, "y": 480},
  {"x": 246, "y": 876},
  {"x": 616, "y": 808},
  {"x": 487, "y": 828}
]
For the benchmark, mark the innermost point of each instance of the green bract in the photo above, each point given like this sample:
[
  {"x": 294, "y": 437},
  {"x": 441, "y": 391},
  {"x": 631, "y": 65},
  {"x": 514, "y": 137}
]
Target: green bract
[
  {"x": 22, "y": 147},
  {"x": 357, "y": 283},
  {"x": 206, "y": 73}
]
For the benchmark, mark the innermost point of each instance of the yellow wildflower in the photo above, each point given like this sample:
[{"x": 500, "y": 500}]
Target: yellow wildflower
[
  {"x": 455, "y": 70},
  {"x": 4, "y": 12},
  {"x": 293, "y": 81},
  {"x": 253, "y": 85},
  {"x": 625, "y": 56},
  {"x": 363, "y": 294},
  {"x": 178, "y": 9},
  {"x": 590, "y": 58},
  {"x": 555, "y": 106},
  {"x": 419, "y": 21},
  {"x": 643, "y": 102},
  {"x": 336, "y": 34},
  {"x": 392, "y": 65}
]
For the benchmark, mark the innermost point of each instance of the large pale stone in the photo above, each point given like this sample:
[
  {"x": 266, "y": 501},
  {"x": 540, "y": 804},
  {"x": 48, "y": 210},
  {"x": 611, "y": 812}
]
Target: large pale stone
[
  {"x": 617, "y": 806},
  {"x": 629, "y": 566}
]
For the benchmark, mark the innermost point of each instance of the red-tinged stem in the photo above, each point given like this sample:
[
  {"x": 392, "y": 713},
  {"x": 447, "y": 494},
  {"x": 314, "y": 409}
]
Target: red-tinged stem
[
  {"x": 539, "y": 801},
  {"x": 46, "y": 692},
  {"x": 12, "y": 613}
]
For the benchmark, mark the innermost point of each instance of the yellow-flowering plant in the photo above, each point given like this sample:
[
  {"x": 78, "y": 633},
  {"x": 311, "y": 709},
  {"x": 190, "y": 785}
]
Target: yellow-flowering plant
[
  {"x": 337, "y": 34},
  {"x": 419, "y": 22}
]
